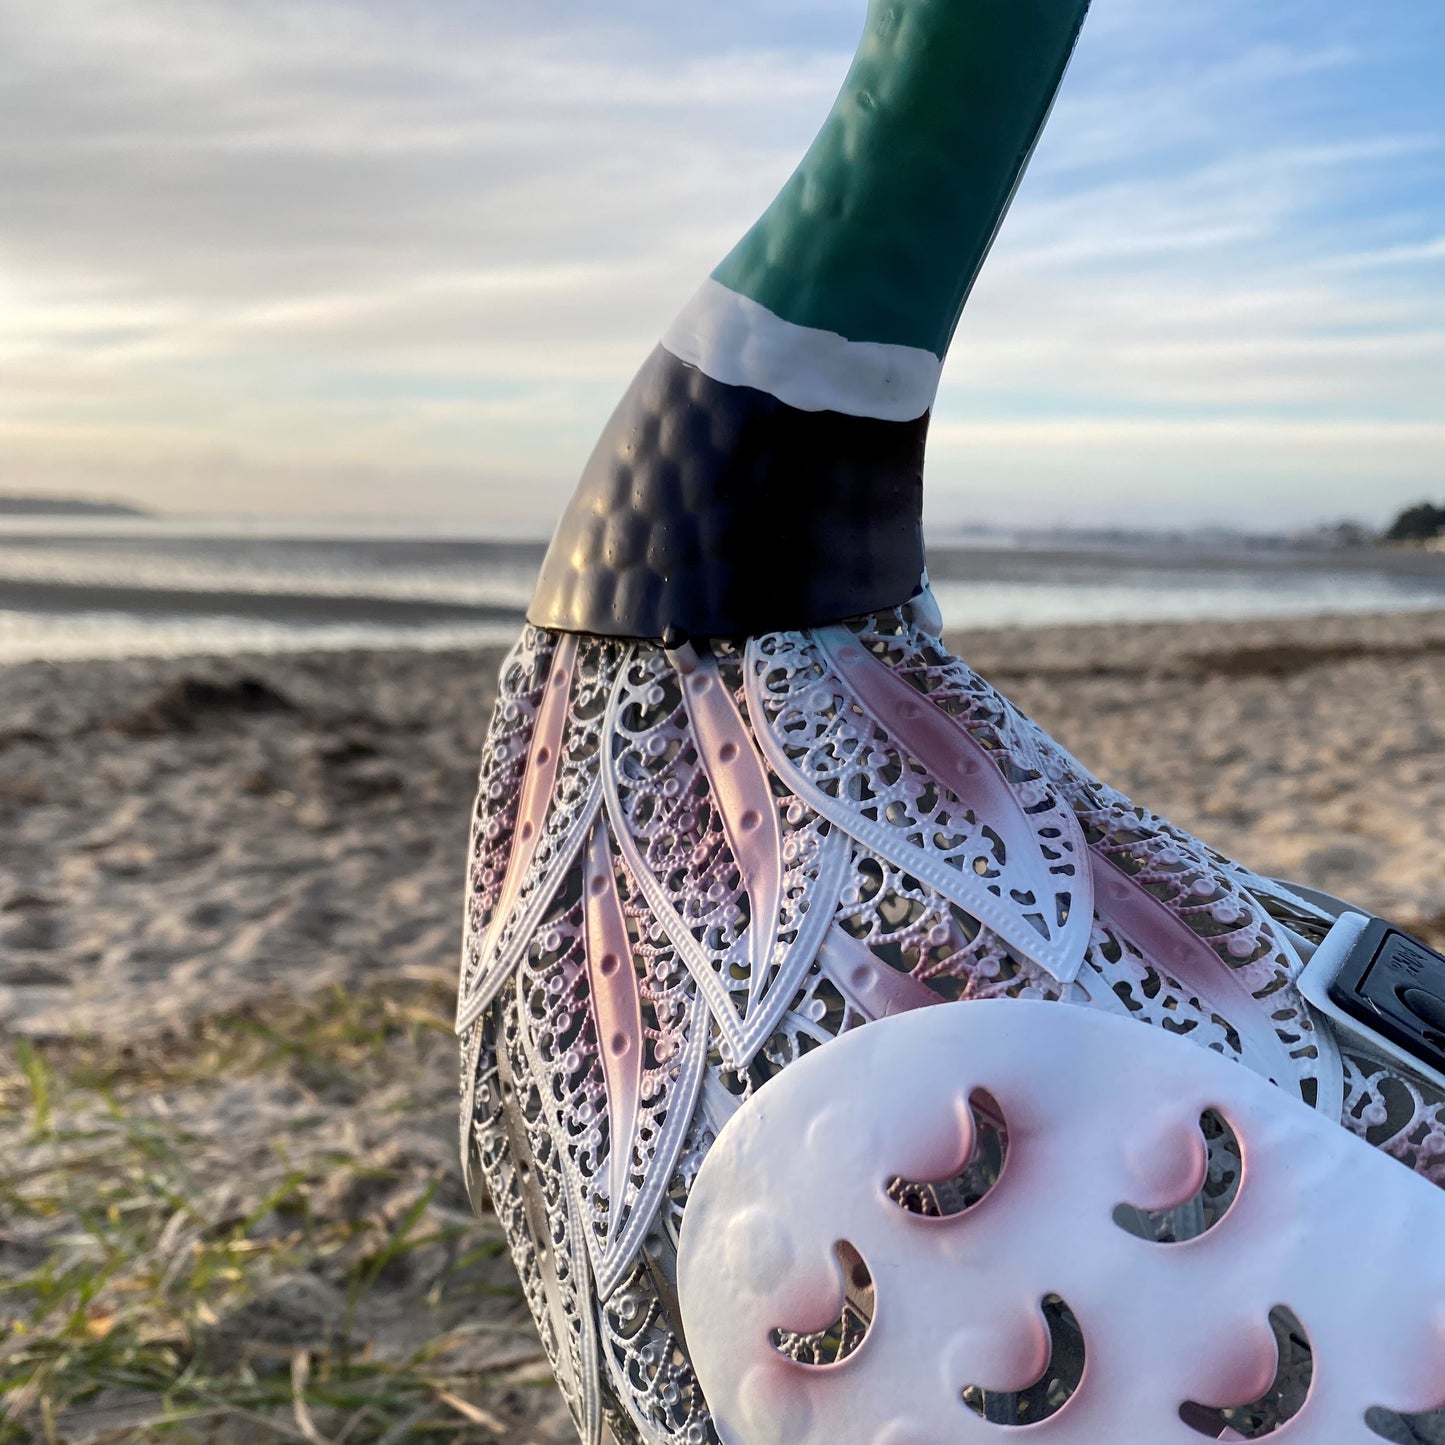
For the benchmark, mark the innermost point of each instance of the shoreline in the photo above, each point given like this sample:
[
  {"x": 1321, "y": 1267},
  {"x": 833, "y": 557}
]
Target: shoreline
[
  {"x": 92, "y": 596},
  {"x": 65, "y": 599},
  {"x": 183, "y": 835},
  {"x": 404, "y": 625}
]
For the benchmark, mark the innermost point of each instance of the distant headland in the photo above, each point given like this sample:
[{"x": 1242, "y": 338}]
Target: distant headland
[{"x": 27, "y": 506}]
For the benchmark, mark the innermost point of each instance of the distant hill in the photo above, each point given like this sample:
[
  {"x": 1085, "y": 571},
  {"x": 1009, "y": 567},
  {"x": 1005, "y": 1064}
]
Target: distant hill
[
  {"x": 1423, "y": 522},
  {"x": 12, "y": 506}
]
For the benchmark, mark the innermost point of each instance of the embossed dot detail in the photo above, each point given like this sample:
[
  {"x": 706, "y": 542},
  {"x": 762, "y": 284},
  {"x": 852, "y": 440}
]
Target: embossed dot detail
[
  {"x": 772, "y": 1413},
  {"x": 678, "y": 480},
  {"x": 757, "y": 1250}
]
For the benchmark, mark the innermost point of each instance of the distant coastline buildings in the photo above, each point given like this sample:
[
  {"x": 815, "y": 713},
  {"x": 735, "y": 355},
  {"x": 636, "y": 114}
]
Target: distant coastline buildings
[{"x": 31, "y": 506}]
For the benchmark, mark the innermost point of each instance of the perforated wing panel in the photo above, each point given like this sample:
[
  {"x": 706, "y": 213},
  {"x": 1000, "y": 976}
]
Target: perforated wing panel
[{"x": 1099, "y": 1114}]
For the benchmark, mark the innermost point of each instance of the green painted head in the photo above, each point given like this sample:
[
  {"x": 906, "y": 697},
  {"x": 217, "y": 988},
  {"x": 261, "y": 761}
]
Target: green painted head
[{"x": 764, "y": 470}]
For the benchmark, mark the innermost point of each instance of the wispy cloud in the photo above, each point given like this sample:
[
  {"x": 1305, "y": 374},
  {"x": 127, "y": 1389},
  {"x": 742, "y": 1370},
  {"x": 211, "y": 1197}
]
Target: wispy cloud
[
  {"x": 1426, "y": 253},
  {"x": 342, "y": 254}
]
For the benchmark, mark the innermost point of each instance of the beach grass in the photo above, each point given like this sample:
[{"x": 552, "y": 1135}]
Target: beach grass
[
  {"x": 230, "y": 1203},
  {"x": 177, "y": 1267}
]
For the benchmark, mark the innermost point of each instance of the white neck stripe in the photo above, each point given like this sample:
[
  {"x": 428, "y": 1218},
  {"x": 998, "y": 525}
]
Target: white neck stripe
[{"x": 739, "y": 342}]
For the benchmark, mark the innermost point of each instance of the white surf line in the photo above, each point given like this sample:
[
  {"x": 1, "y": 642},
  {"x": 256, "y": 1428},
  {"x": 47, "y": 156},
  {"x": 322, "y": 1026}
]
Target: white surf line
[{"x": 739, "y": 342}]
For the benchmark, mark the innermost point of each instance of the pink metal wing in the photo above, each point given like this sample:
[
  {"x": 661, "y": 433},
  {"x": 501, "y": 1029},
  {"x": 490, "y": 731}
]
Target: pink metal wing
[{"x": 1099, "y": 1114}]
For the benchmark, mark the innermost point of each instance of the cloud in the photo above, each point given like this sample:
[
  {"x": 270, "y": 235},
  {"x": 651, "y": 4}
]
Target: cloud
[
  {"x": 1426, "y": 253},
  {"x": 343, "y": 254}
]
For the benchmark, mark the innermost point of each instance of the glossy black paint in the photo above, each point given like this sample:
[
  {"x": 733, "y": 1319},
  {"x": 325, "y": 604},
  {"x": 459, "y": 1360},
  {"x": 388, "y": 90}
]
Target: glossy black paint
[{"x": 710, "y": 510}]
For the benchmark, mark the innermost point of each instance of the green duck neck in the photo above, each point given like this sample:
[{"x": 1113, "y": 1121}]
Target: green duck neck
[
  {"x": 764, "y": 470},
  {"x": 880, "y": 232}
]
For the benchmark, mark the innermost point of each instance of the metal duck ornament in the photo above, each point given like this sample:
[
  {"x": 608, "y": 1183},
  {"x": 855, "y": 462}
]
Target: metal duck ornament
[{"x": 843, "y": 1060}]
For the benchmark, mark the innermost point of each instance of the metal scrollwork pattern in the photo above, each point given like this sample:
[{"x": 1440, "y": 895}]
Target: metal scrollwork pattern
[{"x": 690, "y": 868}]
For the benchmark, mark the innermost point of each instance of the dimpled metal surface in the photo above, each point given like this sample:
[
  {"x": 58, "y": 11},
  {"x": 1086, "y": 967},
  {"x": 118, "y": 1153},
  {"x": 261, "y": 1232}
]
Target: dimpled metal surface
[
  {"x": 792, "y": 851},
  {"x": 709, "y": 510}
]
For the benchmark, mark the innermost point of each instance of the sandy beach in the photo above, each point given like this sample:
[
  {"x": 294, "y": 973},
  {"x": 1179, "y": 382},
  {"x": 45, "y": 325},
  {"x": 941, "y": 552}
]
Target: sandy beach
[{"x": 229, "y": 914}]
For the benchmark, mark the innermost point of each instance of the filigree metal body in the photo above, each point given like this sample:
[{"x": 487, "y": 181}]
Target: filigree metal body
[
  {"x": 720, "y": 825},
  {"x": 692, "y": 868}
]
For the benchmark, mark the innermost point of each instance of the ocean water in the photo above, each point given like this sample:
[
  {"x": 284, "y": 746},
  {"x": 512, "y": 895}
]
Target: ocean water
[{"x": 82, "y": 587}]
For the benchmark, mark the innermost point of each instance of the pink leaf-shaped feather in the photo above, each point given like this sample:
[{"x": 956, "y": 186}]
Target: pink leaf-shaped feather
[
  {"x": 616, "y": 1007},
  {"x": 867, "y": 982},
  {"x": 699, "y": 832},
  {"x": 886, "y": 764},
  {"x": 1169, "y": 943},
  {"x": 739, "y": 786},
  {"x": 510, "y": 930}
]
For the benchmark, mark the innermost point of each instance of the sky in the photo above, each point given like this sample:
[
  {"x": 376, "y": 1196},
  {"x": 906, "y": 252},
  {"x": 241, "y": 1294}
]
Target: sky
[{"x": 368, "y": 258}]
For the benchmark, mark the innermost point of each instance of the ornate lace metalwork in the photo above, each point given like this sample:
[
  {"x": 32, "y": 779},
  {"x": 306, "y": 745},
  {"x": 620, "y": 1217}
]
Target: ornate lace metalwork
[{"x": 690, "y": 868}]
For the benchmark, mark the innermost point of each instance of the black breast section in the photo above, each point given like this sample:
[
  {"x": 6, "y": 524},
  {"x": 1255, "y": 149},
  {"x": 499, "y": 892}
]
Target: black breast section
[{"x": 709, "y": 510}]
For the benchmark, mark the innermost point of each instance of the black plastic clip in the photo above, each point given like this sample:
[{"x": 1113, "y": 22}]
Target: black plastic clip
[{"x": 1394, "y": 985}]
